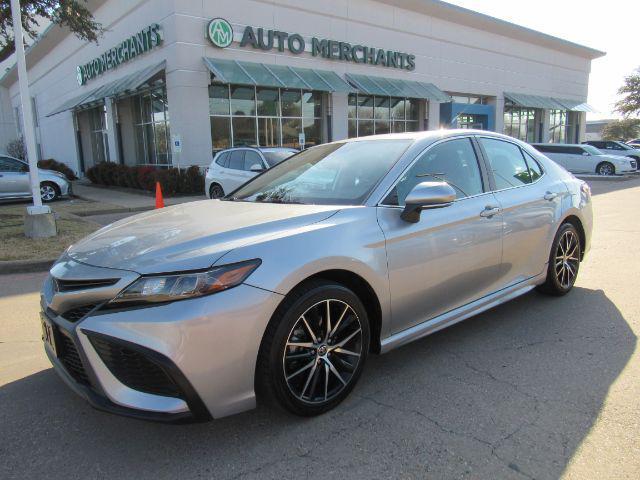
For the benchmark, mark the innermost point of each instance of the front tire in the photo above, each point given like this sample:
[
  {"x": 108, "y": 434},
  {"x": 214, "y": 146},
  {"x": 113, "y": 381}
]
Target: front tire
[
  {"x": 215, "y": 191},
  {"x": 314, "y": 349},
  {"x": 564, "y": 262},
  {"x": 49, "y": 192},
  {"x": 605, "y": 168}
]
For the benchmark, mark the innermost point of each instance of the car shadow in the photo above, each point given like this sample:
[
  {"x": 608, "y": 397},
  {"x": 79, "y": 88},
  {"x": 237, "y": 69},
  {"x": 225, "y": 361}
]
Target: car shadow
[{"x": 510, "y": 393}]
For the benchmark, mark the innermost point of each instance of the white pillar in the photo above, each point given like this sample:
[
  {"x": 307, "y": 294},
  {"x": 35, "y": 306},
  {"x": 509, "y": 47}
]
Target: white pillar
[
  {"x": 433, "y": 119},
  {"x": 499, "y": 120},
  {"x": 111, "y": 124},
  {"x": 339, "y": 109},
  {"x": 582, "y": 132},
  {"x": 25, "y": 100},
  {"x": 546, "y": 120}
]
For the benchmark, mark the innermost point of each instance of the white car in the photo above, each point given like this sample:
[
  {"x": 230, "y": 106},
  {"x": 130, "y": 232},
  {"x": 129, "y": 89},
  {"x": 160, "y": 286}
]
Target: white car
[
  {"x": 586, "y": 159},
  {"x": 615, "y": 148},
  {"x": 235, "y": 166}
]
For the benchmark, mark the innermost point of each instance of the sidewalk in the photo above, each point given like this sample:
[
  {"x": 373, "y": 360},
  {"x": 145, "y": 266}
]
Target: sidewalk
[{"x": 128, "y": 201}]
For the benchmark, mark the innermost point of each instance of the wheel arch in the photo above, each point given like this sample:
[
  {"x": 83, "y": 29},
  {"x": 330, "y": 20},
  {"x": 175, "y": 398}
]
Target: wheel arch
[{"x": 577, "y": 223}]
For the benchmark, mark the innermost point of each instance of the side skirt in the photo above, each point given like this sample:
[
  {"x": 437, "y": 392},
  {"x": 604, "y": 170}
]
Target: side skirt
[{"x": 461, "y": 313}]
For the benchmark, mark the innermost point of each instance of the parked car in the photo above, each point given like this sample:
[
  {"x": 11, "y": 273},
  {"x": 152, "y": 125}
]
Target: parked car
[
  {"x": 616, "y": 148},
  {"x": 635, "y": 143},
  {"x": 586, "y": 159},
  {"x": 343, "y": 250},
  {"x": 14, "y": 181},
  {"x": 232, "y": 167}
]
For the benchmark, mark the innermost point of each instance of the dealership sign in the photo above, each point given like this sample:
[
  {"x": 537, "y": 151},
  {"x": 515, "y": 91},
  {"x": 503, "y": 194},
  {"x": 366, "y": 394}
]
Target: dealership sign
[
  {"x": 220, "y": 32},
  {"x": 137, "y": 44}
]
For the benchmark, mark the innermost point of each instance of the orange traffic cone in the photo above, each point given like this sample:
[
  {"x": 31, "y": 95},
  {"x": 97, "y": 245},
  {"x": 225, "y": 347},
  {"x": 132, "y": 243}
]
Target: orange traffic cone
[{"x": 159, "y": 199}]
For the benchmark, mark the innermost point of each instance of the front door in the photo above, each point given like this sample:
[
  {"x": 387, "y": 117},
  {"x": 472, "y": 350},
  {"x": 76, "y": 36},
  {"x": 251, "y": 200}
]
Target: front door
[
  {"x": 531, "y": 204},
  {"x": 452, "y": 255},
  {"x": 14, "y": 178}
]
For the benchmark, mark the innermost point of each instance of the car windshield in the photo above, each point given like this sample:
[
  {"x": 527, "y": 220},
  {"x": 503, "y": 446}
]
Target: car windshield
[
  {"x": 592, "y": 150},
  {"x": 623, "y": 146},
  {"x": 273, "y": 157},
  {"x": 333, "y": 174}
]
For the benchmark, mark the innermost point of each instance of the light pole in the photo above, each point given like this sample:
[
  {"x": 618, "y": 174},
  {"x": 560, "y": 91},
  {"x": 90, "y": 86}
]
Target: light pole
[{"x": 39, "y": 221}]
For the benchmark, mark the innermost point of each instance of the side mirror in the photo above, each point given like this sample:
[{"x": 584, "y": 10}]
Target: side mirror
[
  {"x": 427, "y": 195},
  {"x": 257, "y": 168}
]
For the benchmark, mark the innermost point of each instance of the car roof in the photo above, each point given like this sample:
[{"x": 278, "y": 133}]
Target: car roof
[{"x": 558, "y": 144}]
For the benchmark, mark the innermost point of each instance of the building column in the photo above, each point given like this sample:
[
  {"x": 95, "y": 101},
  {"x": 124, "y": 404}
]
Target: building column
[
  {"x": 111, "y": 121},
  {"x": 433, "y": 118},
  {"x": 499, "y": 113},
  {"x": 546, "y": 123},
  {"x": 582, "y": 132},
  {"x": 339, "y": 110}
]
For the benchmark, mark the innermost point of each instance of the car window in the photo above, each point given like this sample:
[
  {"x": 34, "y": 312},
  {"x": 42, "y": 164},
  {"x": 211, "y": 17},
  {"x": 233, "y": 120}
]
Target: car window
[
  {"x": 535, "y": 170},
  {"x": 341, "y": 173},
  {"x": 614, "y": 146},
  {"x": 223, "y": 159},
  {"x": 252, "y": 159},
  {"x": 453, "y": 161},
  {"x": 507, "y": 163},
  {"x": 598, "y": 144},
  {"x": 591, "y": 149},
  {"x": 236, "y": 160},
  {"x": 274, "y": 157},
  {"x": 11, "y": 165}
]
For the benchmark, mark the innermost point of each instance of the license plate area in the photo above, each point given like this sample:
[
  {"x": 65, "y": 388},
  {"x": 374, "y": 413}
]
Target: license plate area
[{"x": 48, "y": 333}]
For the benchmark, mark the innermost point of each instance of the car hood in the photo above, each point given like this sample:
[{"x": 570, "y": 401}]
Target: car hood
[{"x": 191, "y": 236}]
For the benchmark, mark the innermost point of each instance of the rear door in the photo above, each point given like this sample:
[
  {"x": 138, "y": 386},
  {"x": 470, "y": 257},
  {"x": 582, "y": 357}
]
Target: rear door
[
  {"x": 531, "y": 205},
  {"x": 14, "y": 178},
  {"x": 452, "y": 255},
  {"x": 576, "y": 161},
  {"x": 235, "y": 172}
]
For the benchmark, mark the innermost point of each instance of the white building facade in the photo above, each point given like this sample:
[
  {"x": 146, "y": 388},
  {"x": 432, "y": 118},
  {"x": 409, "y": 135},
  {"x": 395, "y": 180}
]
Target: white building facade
[{"x": 172, "y": 81}]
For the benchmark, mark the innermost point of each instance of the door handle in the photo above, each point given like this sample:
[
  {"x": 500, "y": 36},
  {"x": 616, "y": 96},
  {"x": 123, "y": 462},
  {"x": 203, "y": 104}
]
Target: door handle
[
  {"x": 550, "y": 196},
  {"x": 489, "y": 211}
]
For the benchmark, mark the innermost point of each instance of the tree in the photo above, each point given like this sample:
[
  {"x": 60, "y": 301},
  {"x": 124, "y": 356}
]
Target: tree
[
  {"x": 630, "y": 103},
  {"x": 68, "y": 13},
  {"x": 625, "y": 129},
  {"x": 17, "y": 148}
]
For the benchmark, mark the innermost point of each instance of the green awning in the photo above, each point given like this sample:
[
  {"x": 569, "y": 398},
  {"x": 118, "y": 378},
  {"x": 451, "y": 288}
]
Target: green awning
[
  {"x": 395, "y": 87},
  {"x": 576, "y": 105},
  {"x": 124, "y": 86},
  {"x": 280, "y": 76},
  {"x": 534, "y": 101}
]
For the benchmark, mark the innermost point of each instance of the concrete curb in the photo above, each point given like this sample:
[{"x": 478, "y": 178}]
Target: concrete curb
[
  {"x": 607, "y": 178},
  {"x": 25, "y": 266}
]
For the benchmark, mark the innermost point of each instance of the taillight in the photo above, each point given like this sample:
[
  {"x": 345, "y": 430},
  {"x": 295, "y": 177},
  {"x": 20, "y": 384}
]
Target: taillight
[{"x": 586, "y": 190}]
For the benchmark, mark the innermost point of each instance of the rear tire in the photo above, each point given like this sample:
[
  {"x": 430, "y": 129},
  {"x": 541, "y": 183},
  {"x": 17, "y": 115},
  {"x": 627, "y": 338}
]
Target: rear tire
[
  {"x": 564, "y": 262},
  {"x": 306, "y": 364},
  {"x": 605, "y": 168},
  {"x": 215, "y": 191},
  {"x": 49, "y": 191}
]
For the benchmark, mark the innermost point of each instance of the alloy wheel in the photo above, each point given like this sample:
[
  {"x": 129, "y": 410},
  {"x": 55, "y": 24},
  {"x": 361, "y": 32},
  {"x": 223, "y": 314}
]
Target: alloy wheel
[
  {"x": 47, "y": 193},
  {"x": 605, "y": 169},
  {"x": 323, "y": 351},
  {"x": 216, "y": 192},
  {"x": 567, "y": 259}
]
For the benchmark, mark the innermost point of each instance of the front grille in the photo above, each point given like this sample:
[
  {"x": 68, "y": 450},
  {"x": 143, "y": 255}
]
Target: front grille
[
  {"x": 71, "y": 285},
  {"x": 70, "y": 358},
  {"x": 77, "y": 313},
  {"x": 134, "y": 369}
]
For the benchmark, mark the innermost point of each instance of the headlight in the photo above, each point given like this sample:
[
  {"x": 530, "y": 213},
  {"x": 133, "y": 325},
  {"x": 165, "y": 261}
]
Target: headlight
[{"x": 168, "y": 288}]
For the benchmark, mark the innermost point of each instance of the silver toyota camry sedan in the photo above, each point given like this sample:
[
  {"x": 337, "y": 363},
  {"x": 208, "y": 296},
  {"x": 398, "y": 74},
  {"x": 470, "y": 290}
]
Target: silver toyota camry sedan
[{"x": 280, "y": 290}]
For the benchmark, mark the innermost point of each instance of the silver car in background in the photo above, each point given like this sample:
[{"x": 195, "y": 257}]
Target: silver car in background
[
  {"x": 14, "y": 181},
  {"x": 282, "y": 290}
]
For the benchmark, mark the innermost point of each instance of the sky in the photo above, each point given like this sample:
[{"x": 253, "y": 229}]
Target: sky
[{"x": 612, "y": 26}]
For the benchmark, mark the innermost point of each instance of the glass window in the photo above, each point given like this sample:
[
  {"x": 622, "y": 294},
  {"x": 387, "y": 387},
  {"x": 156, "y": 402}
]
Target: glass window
[
  {"x": 11, "y": 165},
  {"x": 220, "y": 132},
  {"x": 223, "y": 159},
  {"x": 397, "y": 108},
  {"x": 558, "y": 126},
  {"x": 453, "y": 161},
  {"x": 365, "y": 106},
  {"x": 535, "y": 170},
  {"x": 243, "y": 100},
  {"x": 236, "y": 160},
  {"x": 252, "y": 160},
  {"x": 152, "y": 128},
  {"x": 381, "y": 110},
  {"x": 507, "y": 163},
  {"x": 218, "y": 100},
  {"x": 334, "y": 174},
  {"x": 389, "y": 114},
  {"x": 268, "y": 117},
  {"x": 268, "y": 102},
  {"x": 291, "y": 103},
  {"x": 276, "y": 156},
  {"x": 520, "y": 123}
]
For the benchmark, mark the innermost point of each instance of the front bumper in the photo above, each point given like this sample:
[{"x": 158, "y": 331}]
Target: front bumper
[{"x": 207, "y": 346}]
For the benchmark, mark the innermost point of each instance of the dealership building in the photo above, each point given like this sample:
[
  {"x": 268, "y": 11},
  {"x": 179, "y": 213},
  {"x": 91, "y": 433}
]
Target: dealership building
[{"x": 173, "y": 81}]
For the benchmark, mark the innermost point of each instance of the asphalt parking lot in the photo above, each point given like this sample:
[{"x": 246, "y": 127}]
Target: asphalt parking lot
[{"x": 538, "y": 388}]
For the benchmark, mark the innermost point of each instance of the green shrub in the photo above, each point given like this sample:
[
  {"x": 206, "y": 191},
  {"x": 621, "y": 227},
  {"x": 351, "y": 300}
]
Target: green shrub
[
  {"x": 172, "y": 180},
  {"x": 51, "y": 164}
]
